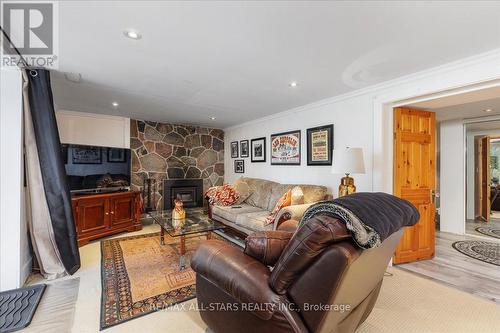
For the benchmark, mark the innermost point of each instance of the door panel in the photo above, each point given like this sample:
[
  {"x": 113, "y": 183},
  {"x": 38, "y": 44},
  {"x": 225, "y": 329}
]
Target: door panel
[
  {"x": 122, "y": 210},
  {"x": 485, "y": 196},
  {"x": 92, "y": 215},
  {"x": 415, "y": 179}
]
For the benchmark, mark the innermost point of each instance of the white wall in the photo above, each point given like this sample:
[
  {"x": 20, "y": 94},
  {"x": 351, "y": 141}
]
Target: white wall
[
  {"x": 362, "y": 119},
  {"x": 15, "y": 257},
  {"x": 93, "y": 129},
  {"x": 452, "y": 176}
]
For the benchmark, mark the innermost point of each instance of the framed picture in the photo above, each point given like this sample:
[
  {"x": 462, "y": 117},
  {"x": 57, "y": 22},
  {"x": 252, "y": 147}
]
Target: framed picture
[
  {"x": 320, "y": 145},
  {"x": 244, "y": 148},
  {"x": 258, "y": 150},
  {"x": 239, "y": 166},
  {"x": 234, "y": 149},
  {"x": 86, "y": 155},
  {"x": 285, "y": 148},
  {"x": 116, "y": 155}
]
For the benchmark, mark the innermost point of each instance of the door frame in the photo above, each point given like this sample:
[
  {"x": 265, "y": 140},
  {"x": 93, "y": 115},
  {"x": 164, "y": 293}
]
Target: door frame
[{"x": 383, "y": 170}]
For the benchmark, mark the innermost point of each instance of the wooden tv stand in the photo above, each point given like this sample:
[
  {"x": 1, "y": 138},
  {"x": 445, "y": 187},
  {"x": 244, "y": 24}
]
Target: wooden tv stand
[{"x": 100, "y": 215}]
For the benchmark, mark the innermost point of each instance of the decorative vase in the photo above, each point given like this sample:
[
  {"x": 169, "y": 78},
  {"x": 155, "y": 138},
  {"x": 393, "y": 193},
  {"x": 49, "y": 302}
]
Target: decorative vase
[{"x": 178, "y": 213}]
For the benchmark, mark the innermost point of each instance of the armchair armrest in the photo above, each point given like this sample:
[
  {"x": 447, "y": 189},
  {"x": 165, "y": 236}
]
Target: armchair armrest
[
  {"x": 267, "y": 246},
  {"x": 294, "y": 212},
  {"x": 239, "y": 275}
]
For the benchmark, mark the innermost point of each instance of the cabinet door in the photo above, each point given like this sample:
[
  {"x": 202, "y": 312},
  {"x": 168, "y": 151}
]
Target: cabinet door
[
  {"x": 92, "y": 215},
  {"x": 121, "y": 210}
]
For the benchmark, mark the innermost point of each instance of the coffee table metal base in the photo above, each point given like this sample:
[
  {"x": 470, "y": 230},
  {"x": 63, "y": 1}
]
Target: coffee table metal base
[{"x": 182, "y": 247}]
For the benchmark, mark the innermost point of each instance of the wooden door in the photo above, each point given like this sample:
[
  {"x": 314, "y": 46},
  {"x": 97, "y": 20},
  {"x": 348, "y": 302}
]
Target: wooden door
[
  {"x": 483, "y": 178},
  {"x": 122, "y": 210},
  {"x": 92, "y": 215},
  {"x": 415, "y": 179}
]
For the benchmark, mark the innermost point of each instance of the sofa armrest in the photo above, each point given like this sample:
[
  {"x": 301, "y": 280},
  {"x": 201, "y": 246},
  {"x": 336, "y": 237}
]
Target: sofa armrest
[
  {"x": 239, "y": 275},
  {"x": 267, "y": 246},
  {"x": 294, "y": 212}
]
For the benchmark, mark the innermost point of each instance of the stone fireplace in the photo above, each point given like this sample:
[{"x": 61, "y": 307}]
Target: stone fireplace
[
  {"x": 165, "y": 153},
  {"x": 190, "y": 191}
]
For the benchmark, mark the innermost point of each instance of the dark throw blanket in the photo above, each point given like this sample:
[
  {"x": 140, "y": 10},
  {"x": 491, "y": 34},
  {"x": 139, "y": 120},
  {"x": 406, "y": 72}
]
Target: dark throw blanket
[{"x": 371, "y": 217}]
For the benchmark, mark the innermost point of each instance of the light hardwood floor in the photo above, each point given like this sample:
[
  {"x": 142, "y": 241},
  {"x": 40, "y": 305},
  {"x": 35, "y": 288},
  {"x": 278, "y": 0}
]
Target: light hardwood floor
[
  {"x": 458, "y": 270},
  {"x": 471, "y": 225}
]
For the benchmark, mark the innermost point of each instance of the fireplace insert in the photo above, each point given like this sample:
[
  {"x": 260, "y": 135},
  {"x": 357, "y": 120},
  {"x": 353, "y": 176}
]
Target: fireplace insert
[{"x": 190, "y": 191}]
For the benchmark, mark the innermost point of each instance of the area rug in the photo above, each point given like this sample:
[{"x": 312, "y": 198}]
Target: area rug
[
  {"x": 488, "y": 231},
  {"x": 140, "y": 276},
  {"x": 484, "y": 251}
]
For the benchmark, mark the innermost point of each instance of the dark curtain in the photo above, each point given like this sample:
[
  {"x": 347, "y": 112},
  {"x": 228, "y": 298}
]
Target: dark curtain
[{"x": 52, "y": 171}]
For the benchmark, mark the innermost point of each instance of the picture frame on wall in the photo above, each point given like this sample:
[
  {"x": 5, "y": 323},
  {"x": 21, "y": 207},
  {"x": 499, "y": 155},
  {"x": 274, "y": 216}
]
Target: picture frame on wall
[
  {"x": 258, "y": 150},
  {"x": 239, "y": 166},
  {"x": 116, "y": 155},
  {"x": 234, "y": 149},
  {"x": 244, "y": 149},
  {"x": 86, "y": 155},
  {"x": 285, "y": 148},
  {"x": 320, "y": 145}
]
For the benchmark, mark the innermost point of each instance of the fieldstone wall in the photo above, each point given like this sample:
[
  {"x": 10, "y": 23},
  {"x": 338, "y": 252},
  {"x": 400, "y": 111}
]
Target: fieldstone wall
[{"x": 168, "y": 151}]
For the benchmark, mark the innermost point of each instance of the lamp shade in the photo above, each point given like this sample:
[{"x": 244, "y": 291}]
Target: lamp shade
[{"x": 348, "y": 161}]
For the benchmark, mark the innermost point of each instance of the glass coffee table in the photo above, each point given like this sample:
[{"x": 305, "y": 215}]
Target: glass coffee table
[{"x": 195, "y": 224}]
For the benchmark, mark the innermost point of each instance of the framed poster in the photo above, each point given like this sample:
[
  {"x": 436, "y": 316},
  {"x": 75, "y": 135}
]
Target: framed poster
[
  {"x": 116, "y": 155},
  {"x": 320, "y": 145},
  {"x": 234, "y": 149},
  {"x": 285, "y": 148},
  {"x": 86, "y": 155},
  {"x": 239, "y": 166},
  {"x": 244, "y": 148},
  {"x": 258, "y": 150}
]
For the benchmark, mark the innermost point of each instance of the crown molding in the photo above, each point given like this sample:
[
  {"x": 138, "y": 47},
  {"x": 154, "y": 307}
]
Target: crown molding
[{"x": 452, "y": 66}]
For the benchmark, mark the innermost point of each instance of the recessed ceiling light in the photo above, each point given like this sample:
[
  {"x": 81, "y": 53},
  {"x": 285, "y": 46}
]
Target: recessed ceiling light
[
  {"x": 212, "y": 118},
  {"x": 115, "y": 104},
  {"x": 488, "y": 110},
  {"x": 293, "y": 84},
  {"x": 132, "y": 34}
]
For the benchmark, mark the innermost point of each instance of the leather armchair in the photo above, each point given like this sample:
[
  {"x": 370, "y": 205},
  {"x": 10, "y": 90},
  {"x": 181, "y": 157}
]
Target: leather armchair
[{"x": 321, "y": 280}]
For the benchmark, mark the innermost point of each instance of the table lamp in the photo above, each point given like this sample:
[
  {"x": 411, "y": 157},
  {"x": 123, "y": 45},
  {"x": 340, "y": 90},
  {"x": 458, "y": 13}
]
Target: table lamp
[{"x": 348, "y": 161}]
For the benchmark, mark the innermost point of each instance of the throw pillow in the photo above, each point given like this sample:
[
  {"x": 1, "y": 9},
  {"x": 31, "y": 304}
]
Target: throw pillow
[
  {"x": 297, "y": 195},
  {"x": 243, "y": 190},
  {"x": 224, "y": 195},
  {"x": 284, "y": 201}
]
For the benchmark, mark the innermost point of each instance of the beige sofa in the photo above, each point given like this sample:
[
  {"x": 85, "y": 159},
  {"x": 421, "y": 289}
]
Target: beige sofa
[{"x": 250, "y": 215}]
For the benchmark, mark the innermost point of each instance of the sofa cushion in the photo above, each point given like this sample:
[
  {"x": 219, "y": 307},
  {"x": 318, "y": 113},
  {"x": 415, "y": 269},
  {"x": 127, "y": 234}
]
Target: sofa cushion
[
  {"x": 231, "y": 212},
  {"x": 255, "y": 221},
  {"x": 313, "y": 193},
  {"x": 242, "y": 189},
  {"x": 297, "y": 195},
  {"x": 277, "y": 191},
  {"x": 261, "y": 191},
  {"x": 284, "y": 201}
]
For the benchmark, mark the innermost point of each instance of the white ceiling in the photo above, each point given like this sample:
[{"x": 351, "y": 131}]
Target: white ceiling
[
  {"x": 234, "y": 60},
  {"x": 462, "y": 106}
]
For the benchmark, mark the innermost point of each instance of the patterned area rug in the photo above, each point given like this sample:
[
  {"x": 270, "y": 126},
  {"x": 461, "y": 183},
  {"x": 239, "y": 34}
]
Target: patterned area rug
[
  {"x": 484, "y": 251},
  {"x": 140, "y": 276},
  {"x": 488, "y": 231}
]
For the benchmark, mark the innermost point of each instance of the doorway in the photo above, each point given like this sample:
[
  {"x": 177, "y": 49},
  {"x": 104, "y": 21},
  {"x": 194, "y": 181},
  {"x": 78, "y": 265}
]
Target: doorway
[{"x": 483, "y": 174}]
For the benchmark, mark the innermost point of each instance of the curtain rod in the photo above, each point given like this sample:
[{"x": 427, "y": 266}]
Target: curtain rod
[{"x": 15, "y": 48}]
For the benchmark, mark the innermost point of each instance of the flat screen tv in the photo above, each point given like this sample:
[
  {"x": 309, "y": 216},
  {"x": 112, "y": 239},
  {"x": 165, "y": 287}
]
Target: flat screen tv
[{"x": 94, "y": 169}]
